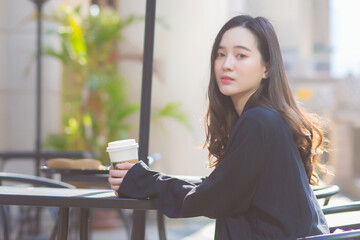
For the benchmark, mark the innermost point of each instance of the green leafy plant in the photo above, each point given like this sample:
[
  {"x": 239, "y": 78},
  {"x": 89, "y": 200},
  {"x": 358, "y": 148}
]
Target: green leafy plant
[{"x": 95, "y": 107}]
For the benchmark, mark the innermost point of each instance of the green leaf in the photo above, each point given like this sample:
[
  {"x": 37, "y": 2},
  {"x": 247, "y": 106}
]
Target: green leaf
[
  {"x": 58, "y": 55},
  {"x": 78, "y": 9},
  {"x": 128, "y": 110},
  {"x": 173, "y": 110},
  {"x": 132, "y": 19},
  {"x": 56, "y": 142},
  {"x": 77, "y": 40}
]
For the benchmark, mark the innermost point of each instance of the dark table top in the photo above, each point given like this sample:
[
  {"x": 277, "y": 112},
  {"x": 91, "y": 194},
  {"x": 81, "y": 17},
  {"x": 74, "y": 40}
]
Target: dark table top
[
  {"x": 63, "y": 197},
  {"x": 94, "y": 176},
  {"x": 78, "y": 175}
]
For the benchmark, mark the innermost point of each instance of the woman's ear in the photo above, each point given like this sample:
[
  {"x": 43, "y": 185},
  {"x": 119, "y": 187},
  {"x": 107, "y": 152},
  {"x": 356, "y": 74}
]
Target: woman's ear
[{"x": 266, "y": 73}]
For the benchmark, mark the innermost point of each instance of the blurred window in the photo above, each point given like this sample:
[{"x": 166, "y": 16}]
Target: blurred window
[{"x": 345, "y": 38}]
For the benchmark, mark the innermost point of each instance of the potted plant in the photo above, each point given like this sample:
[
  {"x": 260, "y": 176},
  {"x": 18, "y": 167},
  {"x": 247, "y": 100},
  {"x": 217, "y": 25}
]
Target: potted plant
[{"x": 95, "y": 107}]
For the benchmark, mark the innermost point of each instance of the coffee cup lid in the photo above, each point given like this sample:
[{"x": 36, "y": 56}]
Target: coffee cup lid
[{"x": 121, "y": 145}]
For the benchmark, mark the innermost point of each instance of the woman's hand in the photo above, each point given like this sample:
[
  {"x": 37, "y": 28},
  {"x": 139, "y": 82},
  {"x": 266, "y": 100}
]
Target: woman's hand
[{"x": 117, "y": 175}]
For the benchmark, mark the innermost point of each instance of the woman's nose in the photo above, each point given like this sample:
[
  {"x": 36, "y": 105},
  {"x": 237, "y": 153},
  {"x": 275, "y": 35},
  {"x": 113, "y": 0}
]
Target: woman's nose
[{"x": 228, "y": 63}]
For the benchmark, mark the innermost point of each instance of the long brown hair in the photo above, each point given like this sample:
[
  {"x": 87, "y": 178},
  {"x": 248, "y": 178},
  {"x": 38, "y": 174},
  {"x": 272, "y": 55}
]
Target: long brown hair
[{"x": 273, "y": 91}]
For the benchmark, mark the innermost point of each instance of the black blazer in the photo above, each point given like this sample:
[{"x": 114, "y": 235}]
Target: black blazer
[{"x": 258, "y": 191}]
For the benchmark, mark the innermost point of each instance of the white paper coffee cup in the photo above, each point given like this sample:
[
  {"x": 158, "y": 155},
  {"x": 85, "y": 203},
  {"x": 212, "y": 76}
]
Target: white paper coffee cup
[{"x": 123, "y": 151}]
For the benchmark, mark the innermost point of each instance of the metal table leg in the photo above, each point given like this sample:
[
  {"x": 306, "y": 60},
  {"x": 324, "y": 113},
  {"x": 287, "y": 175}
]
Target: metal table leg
[
  {"x": 84, "y": 223},
  {"x": 138, "y": 226},
  {"x": 4, "y": 220},
  {"x": 63, "y": 223},
  {"x": 161, "y": 225}
]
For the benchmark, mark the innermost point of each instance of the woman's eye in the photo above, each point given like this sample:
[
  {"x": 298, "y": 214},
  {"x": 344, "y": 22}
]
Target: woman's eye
[
  {"x": 220, "y": 55},
  {"x": 241, "y": 56}
]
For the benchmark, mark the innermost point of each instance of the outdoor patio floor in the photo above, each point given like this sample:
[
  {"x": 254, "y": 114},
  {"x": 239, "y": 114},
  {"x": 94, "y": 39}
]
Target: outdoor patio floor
[{"x": 176, "y": 229}]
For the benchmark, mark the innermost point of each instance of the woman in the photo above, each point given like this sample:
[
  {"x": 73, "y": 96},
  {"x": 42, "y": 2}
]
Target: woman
[{"x": 263, "y": 146}]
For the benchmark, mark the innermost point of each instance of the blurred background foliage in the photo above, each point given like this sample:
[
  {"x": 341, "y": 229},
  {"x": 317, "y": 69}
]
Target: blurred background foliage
[{"x": 95, "y": 105}]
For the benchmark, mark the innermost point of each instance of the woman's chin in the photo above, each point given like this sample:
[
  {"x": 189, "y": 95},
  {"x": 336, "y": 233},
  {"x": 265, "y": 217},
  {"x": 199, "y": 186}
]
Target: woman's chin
[{"x": 226, "y": 93}]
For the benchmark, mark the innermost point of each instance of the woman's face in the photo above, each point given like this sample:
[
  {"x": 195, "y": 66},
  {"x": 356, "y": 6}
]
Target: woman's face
[{"x": 238, "y": 66}]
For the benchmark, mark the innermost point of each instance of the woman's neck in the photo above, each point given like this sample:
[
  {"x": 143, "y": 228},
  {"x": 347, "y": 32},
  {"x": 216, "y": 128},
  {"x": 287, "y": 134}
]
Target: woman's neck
[{"x": 239, "y": 101}]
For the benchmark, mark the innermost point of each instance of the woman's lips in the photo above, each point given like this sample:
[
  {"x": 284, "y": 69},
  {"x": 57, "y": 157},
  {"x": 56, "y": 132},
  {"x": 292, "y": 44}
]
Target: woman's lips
[{"x": 226, "y": 79}]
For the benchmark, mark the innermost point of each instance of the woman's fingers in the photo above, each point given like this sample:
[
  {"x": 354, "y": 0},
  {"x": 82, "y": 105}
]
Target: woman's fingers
[
  {"x": 115, "y": 179},
  {"x": 115, "y": 188},
  {"x": 118, "y": 173},
  {"x": 124, "y": 166},
  {"x": 115, "y": 183}
]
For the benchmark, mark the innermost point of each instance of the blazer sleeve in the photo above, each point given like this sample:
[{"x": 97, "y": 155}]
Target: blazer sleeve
[{"x": 228, "y": 190}]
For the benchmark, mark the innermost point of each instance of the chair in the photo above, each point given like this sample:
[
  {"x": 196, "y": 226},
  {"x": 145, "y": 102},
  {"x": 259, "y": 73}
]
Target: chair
[
  {"x": 326, "y": 193},
  {"x": 28, "y": 180},
  {"x": 347, "y": 216},
  {"x": 350, "y": 235},
  {"x": 342, "y": 220}
]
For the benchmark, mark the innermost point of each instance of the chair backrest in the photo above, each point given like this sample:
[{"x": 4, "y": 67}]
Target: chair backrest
[
  {"x": 346, "y": 216},
  {"x": 348, "y": 207},
  {"x": 33, "y": 180},
  {"x": 352, "y": 234},
  {"x": 326, "y": 192},
  {"x": 25, "y": 179}
]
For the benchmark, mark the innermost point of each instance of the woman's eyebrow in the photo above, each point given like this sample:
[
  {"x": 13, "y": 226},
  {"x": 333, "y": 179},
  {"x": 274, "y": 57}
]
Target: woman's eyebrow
[
  {"x": 242, "y": 47},
  {"x": 237, "y": 46}
]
